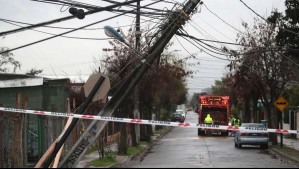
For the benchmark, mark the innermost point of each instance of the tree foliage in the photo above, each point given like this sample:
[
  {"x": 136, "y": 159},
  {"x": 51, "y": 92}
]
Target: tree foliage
[
  {"x": 288, "y": 37},
  {"x": 260, "y": 71},
  {"x": 162, "y": 86},
  {"x": 34, "y": 72},
  {"x": 7, "y": 60}
]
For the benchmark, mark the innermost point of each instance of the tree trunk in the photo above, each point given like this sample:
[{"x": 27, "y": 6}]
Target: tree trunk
[
  {"x": 247, "y": 110},
  {"x": 255, "y": 110},
  {"x": 143, "y": 129},
  {"x": 122, "y": 145},
  {"x": 271, "y": 118},
  {"x": 133, "y": 133}
]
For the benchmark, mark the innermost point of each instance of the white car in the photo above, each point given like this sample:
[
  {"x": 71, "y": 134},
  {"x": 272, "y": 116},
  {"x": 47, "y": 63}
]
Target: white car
[
  {"x": 253, "y": 134},
  {"x": 181, "y": 112}
]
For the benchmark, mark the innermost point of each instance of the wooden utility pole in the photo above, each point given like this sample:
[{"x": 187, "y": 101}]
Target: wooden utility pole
[
  {"x": 136, "y": 133},
  {"x": 17, "y": 161},
  {"x": 25, "y": 129}
]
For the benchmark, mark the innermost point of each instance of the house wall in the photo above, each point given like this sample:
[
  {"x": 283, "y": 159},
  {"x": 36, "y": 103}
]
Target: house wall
[{"x": 41, "y": 130}]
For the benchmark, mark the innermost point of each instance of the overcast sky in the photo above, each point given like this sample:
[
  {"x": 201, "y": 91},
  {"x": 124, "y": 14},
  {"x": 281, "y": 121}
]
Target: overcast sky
[{"x": 70, "y": 57}]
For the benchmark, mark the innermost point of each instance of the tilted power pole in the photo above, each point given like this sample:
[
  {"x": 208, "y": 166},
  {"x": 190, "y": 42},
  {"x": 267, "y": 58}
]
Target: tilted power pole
[
  {"x": 136, "y": 113},
  {"x": 168, "y": 29}
]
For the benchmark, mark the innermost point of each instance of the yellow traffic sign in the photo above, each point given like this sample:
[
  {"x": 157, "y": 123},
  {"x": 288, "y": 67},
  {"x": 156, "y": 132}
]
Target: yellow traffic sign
[{"x": 281, "y": 103}]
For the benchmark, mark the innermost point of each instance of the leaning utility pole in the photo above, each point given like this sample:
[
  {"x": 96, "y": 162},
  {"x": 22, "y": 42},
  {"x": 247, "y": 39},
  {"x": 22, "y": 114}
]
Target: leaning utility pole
[
  {"x": 173, "y": 23},
  {"x": 136, "y": 94}
]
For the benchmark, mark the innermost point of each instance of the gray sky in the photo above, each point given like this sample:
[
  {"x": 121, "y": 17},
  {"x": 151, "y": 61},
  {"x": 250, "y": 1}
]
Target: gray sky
[{"x": 74, "y": 57}]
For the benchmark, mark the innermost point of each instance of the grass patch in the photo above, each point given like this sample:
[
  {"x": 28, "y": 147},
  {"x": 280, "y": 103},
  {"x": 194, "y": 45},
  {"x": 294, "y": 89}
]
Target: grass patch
[
  {"x": 289, "y": 151},
  {"x": 289, "y": 136},
  {"x": 108, "y": 160},
  {"x": 133, "y": 150},
  {"x": 144, "y": 143},
  {"x": 91, "y": 149}
]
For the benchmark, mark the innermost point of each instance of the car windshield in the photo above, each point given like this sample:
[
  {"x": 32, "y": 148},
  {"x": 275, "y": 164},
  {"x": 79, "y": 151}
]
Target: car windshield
[
  {"x": 251, "y": 125},
  {"x": 180, "y": 111},
  {"x": 176, "y": 115}
]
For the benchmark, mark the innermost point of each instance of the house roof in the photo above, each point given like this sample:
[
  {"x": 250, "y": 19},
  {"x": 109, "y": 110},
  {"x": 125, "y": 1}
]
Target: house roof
[
  {"x": 10, "y": 76},
  {"x": 9, "y": 80}
]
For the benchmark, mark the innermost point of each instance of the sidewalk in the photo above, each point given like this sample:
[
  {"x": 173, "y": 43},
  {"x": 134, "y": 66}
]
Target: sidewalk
[
  {"x": 290, "y": 149},
  {"x": 120, "y": 160},
  {"x": 94, "y": 155}
]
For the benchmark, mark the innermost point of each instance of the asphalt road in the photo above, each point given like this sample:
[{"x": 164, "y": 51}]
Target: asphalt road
[{"x": 182, "y": 148}]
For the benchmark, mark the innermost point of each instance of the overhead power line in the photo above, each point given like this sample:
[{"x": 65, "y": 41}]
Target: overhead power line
[
  {"x": 181, "y": 34},
  {"x": 71, "y": 37},
  {"x": 93, "y": 7},
  {"x": 67, "y": 18},
  {"x": 279, "y": 49},
  {"x": 85, "y": 5},
  {"x": 223, "y": 20},
  {"x": 71, "y": 30},
  {"x": 56, "y": 27},
  {"x": 268, "y": 21}
]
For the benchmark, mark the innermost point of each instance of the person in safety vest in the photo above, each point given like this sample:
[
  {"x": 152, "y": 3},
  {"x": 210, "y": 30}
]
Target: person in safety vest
[
  {"x": 232, "y": 123},
  {"x": 232, "y": 120},
  {"x": 208, "y": 119},
  {"x": 237, "y": 122}
]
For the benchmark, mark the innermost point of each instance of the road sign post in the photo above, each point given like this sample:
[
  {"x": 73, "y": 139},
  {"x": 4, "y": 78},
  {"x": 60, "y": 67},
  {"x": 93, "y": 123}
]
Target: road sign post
[{"x": 281, "y": 104}]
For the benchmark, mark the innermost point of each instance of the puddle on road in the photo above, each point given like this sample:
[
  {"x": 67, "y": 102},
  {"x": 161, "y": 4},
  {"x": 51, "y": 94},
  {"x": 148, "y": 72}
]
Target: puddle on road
[{"x": 267, "y": 152}]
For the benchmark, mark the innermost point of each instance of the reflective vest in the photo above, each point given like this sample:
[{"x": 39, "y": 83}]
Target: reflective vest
[
  {"x": 237, "y": 122},
  {"x": 232, "y": 121},
  {"x": 208, "y": 119}
]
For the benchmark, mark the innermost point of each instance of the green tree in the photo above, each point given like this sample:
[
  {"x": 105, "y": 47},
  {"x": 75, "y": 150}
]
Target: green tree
[
  {"x": 221, "y": 87},
  {"x": 162, "y": 86},
  {"x": 288, "y": 26},
  {"x": 260, "y": 71}
]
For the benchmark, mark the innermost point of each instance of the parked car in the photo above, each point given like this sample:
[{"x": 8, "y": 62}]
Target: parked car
[
  {"x": 254, "y": 134},
  {"x": 177, "y": 117},
  {"x": 181, "y": 112}
]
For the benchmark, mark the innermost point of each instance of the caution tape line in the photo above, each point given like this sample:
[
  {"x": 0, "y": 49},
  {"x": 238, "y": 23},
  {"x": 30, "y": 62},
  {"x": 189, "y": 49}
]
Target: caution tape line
[{"x": 141, "y": 121}]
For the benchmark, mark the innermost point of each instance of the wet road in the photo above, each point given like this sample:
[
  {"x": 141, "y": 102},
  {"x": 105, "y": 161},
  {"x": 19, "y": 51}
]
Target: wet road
[{"x": 182, "y": 148}]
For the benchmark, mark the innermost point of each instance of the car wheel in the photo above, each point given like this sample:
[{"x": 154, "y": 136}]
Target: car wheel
[
  {"x": 264, "y": 146},
  {"x": 239, "y": 145},
  {"x": 199, "y": 132}
]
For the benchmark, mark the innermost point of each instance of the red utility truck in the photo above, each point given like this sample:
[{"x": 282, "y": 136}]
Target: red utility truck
[{"x": 218, "y": 108}]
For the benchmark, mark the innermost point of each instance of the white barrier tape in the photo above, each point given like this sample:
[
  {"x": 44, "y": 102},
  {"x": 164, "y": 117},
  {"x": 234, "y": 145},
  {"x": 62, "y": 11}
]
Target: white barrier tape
[{"x": 149, "y": 122}]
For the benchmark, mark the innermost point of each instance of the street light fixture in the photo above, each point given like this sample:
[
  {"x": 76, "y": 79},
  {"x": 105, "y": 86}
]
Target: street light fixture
[{"x": 111, "y": 32}]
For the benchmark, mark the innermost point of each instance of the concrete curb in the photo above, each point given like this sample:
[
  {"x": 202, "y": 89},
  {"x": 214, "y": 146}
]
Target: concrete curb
[{"x": 283, "y": 155}]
